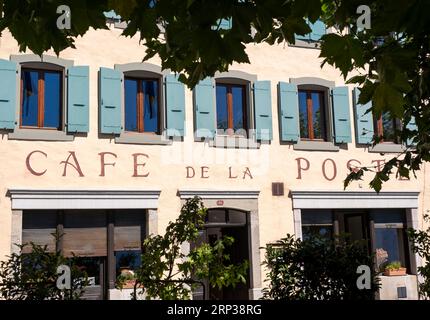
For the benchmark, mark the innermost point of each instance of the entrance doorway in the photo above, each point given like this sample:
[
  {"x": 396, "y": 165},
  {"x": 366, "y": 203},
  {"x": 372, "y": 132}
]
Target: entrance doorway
[{"x": 222, "y": 222}]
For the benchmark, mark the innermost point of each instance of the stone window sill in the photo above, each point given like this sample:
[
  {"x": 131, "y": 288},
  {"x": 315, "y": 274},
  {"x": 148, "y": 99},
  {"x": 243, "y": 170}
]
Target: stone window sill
[
  {"x": 154, "y": 139},
  {"x": 39, "y": 135},
  {"x": 234, "y": 142},
  {"x": 306, "y": 44},
  {"x": 387, "y": 148},
  {"x": 315, "y": 146}
]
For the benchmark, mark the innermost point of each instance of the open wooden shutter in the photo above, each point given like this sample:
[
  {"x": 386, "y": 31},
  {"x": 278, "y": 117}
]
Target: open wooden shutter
[
  {"x": 8, "y": 91},
  {"x": 78, "y": 99},
  {"x": 363, "y": 120},
  {"x": 341, "y": 116},
  {"x": 263, "y": 110},
  {"x": 175, "y": 106},
  {"x": 204, "y": 100},
  {"x": 289, "y": 112},
  {"x": 110, "y": 101}
]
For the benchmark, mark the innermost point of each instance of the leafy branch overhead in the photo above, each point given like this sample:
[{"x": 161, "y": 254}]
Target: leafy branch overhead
[{"x": 389, "y": 61}]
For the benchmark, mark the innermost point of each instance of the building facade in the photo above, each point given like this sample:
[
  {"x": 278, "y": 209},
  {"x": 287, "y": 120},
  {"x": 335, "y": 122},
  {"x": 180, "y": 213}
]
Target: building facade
[{"x": 106, "y": 149}]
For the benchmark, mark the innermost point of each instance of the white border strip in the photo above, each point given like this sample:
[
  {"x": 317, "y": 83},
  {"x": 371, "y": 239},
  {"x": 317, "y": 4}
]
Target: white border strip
[
  {"x": 38, "y": 199},
  {"x": 218, "y": 194},
  {"x": 353, "y": 199}
]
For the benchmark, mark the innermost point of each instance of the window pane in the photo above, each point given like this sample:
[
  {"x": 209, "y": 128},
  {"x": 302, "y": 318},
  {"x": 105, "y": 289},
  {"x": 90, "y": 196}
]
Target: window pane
[
  {"x": 150, "y": 116},
  {"x": 30, "y": 97},
  {"x": 303, "y": 115},
  {"x": 221, "y": 107},
  {"x": 388, "y": 127},
  {"x": 317, "y": 115},
  {"x": 389, "y": 246},
  {"x": 52, "y": 111},
  {"x": 130, "y": 88},
  {"x": 317, "y": 217},
  {"x": 238, "y": 108},
  {"x": 312, "y": 231},
  {"x": 388, "y": 215}
]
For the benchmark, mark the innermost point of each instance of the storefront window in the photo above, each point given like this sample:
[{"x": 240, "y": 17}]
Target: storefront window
[{"x": 317, "y": 223}]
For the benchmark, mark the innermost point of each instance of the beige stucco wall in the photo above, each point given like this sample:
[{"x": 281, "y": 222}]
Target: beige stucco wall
[{"x": 274, "y": 163}]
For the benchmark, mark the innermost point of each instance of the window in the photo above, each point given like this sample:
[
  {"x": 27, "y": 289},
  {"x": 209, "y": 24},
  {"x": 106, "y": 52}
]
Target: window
[
  {"x": 142, "y": 112},
  {"x": 317, "y": 223},
  {"x": 386, "y": 127},
  {"x": 41, "y": 99},
  {"x": 312, "y": 115},
  {"x": 231, "y": 107},
  {"x": 389, "y": 239}
]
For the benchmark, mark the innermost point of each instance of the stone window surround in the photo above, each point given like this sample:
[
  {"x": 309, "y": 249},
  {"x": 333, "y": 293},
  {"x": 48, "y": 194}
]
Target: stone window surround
[
  {"x": 244, "y": 200},
  {"x": 34, "y": 199},
  {"x": 315, "y": 199},
  {"x": 142, "y": 70},
  {"x": 225, "y": 141},
  {"x": 318, "y": 83},
  {"x": 35, "y": 61}
]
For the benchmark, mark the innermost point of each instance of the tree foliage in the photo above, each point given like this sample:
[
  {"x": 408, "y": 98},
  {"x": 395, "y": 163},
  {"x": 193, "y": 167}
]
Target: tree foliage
[
  {"x": 169, "y": 272},
  {"x": 420, "y": 240},
  {"x": 389, "y": 61},
  {"x": 33, "y": 275},
  {"x": 317, "y": 269}
]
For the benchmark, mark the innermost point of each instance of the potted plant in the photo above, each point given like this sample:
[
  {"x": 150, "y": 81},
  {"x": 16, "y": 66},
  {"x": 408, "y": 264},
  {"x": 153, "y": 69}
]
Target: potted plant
[{"x": 394, "y": 269}]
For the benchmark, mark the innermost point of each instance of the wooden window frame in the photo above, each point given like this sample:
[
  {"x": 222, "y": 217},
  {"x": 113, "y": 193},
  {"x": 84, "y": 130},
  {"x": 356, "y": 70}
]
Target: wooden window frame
[
  {"x": 379, "y": 130},
  {"x": 309, "y": 109},
  {"x": 41, "y": 99},
  {"x": 230, "y": 120},
  {"x": 140, "y": 105}
]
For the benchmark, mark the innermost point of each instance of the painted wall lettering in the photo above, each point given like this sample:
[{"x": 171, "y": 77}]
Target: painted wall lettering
[
  {"x": 74, "y": 165},
  {"x": 379, "y": 164},
  {"x": 300, "y": 167},
  {"x": 205, "y": 173},
  {"x": 246, "y": 173},
  {"x": 103, "y": 163},
  {"x": 137, "y": 165},
  {"x": 28, "y": 163},
  {"x": 230, "y": 174},
  {"x": 190, "y": 172},
  {"x": 353, "y": 167},
  {"x": 334, "y": 169}
]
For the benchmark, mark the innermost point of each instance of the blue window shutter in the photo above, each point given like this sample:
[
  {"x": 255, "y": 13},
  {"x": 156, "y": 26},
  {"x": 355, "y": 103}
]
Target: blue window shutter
[
  {"x": 411, "y": 126},
  {"x": 289, "y": 111},
  {"x": 263, "y": 110},
  {"x": 363, "y": 120},
  {"x": 204, "y": 99},
  {"x": 110, "y": 101},
  {"x": 341, "y": 116},
  {"x": 8, "y": 91},
  {"x": 78, "y": 99},
  {"x": 175, "y": 106},
  {"x": 318, "y": 30}
]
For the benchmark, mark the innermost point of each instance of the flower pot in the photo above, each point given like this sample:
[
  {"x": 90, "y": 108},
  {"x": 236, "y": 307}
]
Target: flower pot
[{"x": 395, "y": 272}]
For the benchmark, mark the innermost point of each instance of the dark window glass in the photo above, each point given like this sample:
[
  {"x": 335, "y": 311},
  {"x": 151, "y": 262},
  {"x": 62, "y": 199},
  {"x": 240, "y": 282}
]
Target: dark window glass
[
  {"x": 389, "y": 246},
  {"x": 388, "y": 216},
  {"x": 230, "y": 104},
  {"x": 317, "y": 223},
  {"x": 131, "y": 104},
  {"x": 221, "y": 107},
  {"x": 311, "y": 115},
  {"x": 150, "y": 90},
  {"x": 142, "y": 105},
  {"x": 30, "y": 98},
  {"x": 303, "y": 114},
  {"x": 386, "y": 128},
  {"x": 320, "y": 231},
  {"x": 37, "y": 112},
  {"x": 52, "y": 110}
]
